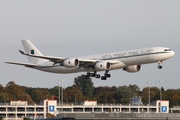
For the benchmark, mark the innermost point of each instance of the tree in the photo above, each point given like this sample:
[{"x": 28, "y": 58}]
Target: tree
[
  {"x": 54, "y": 91},
  {"x": 73, "y": 93},
  {"x": 16, "y": 92},
  {"x": 101, "y": 94},
  {"x": 81, "y": 87},
  {"x": 135, "y": 90},
  {"x": 39, "y": 94},
  {"x": 105, "y": 94},
  {"x": 124, "y": 94},
  {"x": 154, "y": 94},
  {"x": 173, "y": 95},
  {"x": 145, "y": 95},
  {"x": 86, "y": 85},
  {"x": 2, "y": 93}
]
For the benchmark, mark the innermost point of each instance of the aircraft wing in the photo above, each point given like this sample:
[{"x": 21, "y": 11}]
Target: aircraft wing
[
  {"x": 89, "y": 61},
  {"x": 58, "y": 59},
  {"x": 85, "y": 63},
  {"x": 50, "y": 58},
  {"x": 23, "y": 64}
]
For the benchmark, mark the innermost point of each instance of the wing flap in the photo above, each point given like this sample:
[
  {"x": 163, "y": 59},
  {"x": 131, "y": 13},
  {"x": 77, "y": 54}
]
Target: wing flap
[
  {"x": 23, "y": 64},
  {"x": 87, "y": 63}
]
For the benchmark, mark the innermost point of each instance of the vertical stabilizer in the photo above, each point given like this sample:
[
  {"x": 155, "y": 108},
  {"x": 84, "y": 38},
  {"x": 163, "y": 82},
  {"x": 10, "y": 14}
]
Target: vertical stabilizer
[{"x": 31, "y": 49}]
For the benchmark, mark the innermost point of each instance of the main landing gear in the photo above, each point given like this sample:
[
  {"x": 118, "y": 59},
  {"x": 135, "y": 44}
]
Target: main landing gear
[
  {"x": 91, "y": 75},
  {"x": 159, "y": 65},
  {"x": 106, "y": 75}
]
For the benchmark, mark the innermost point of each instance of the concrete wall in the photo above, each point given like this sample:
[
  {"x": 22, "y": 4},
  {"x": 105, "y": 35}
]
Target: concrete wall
[{"x": 122, "y": 116}]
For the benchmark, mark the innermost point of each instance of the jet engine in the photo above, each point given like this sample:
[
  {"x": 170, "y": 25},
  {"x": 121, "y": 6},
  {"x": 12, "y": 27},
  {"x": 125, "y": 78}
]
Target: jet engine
[
  {"x": 71, "y": 63},
  {"x": 103, "y": 66},
  {"x": 132, "y": 68}
]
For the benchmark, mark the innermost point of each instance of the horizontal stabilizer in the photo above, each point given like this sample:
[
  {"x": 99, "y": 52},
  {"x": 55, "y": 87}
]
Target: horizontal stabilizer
[{"x": 23, "y": 64}]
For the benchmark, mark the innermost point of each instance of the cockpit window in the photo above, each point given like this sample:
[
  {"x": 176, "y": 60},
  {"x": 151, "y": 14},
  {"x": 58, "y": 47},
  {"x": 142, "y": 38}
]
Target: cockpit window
[{"x": 167, "y": 50}]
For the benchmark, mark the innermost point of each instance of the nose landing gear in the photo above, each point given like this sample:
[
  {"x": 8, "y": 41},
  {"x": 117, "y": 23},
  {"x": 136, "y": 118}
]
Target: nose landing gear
[{"x": 159, "y": 65}]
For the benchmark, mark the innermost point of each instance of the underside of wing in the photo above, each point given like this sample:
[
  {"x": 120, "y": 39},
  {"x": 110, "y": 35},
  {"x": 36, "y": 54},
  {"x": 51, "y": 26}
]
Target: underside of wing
[
  {"x": 86, "y": 63},
  {"x": 92, "y": 64},
  {"x": 23, "y": 64}
]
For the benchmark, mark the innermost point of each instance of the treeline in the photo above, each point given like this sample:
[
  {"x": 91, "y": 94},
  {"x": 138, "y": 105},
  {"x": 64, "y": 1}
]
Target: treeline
[{"x": 83, "y": 89}]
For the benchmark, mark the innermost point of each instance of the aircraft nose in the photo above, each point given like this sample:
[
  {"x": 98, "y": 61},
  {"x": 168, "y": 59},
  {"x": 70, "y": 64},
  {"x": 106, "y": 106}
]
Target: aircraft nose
[{"x": 172, "y": 53}]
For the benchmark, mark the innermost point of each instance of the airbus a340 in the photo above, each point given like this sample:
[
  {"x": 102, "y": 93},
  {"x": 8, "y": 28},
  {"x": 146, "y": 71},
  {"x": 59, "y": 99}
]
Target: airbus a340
[{"x": 129, "y": 61}]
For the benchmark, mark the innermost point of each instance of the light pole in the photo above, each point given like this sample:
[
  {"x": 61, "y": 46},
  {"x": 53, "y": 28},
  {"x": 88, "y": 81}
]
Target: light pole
[
  {"x": 59, "y": 92},
  {"x": 149, "y": 90},
  {"x": 114, "y": 102},
  {"x": 160, "y": 95},
  {"x": 62, "y": 95},
  {"x": 106, "y": 99},
  {"x": 4, "y": 99},
  {"x": 113, "y": 105},
  {"x": 75, "y": 99},
  {"x": 149, "y": 93}
]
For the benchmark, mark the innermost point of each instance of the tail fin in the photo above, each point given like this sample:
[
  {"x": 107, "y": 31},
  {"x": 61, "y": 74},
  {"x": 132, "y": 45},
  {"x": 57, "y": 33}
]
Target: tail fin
[{"x": 31, "y": 49}]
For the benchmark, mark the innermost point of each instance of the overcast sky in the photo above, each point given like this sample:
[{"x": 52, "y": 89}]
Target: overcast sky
[{"x": 81, "y": 27}]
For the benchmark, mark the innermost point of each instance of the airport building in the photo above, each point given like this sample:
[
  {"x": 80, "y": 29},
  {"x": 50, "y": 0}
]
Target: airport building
[{"x": 21, "y": 109}]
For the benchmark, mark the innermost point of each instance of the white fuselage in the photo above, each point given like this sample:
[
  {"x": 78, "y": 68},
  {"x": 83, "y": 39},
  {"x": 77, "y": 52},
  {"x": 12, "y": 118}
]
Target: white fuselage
[{"x": 122, "y": 59}]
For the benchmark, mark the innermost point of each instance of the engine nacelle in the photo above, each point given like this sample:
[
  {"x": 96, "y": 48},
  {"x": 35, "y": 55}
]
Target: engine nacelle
[
  {"x": 71, "y": 63},
  {"x": 103, "y": 66},
  {"x": 132, "y": 68}
]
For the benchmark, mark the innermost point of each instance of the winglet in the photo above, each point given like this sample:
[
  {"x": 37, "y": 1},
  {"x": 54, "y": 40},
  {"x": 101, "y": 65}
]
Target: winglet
[{"x": 22, "y": 52}]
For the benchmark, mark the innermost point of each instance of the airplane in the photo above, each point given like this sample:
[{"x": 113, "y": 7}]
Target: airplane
[{"x": 130, "y": 61}]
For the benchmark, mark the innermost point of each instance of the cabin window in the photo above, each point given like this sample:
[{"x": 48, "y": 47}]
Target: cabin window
[{"x": 167, "y": 50}]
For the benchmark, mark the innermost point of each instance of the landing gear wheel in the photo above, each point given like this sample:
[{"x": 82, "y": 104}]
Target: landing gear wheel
[
  {"x": 93, "y": 74},
  {"x": 108, "y": 75},
  {"x": 97, "y": 76},
  {"x": 159, "y": 67},
  {"x": 103, "y": 78},
  {"x": 86, "y": 77},
  {"x": 88, "y": 74}
]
